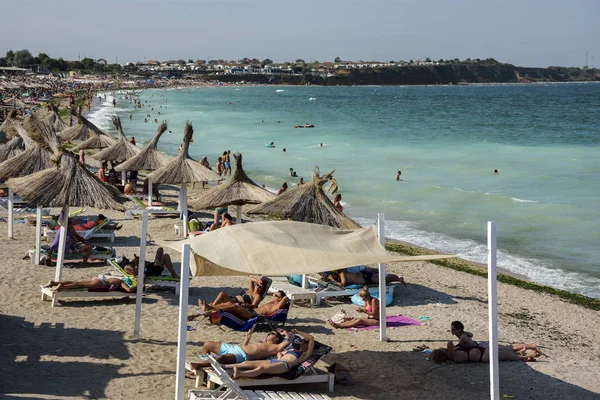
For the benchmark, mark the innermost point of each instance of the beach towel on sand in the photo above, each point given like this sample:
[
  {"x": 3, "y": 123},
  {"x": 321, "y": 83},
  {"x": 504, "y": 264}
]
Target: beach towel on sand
[{"x": 393, "y": 321}]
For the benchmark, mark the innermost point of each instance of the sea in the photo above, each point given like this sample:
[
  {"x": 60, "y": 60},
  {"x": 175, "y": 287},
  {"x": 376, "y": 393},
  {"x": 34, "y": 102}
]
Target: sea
[{"x": 543, "y": 139}]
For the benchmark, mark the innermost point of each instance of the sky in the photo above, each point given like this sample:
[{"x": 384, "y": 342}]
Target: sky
[{"x": 536, "y": 33}]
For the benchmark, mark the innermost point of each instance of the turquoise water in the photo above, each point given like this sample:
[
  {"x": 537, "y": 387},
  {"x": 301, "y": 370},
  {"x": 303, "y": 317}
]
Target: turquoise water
[{"x": 447, "y": 140}]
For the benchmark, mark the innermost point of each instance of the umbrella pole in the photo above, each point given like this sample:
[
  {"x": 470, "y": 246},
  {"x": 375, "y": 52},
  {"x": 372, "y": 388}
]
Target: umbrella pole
[
  {"x": 182, "y": 337},
  {"x": 149, "y": 192},
  {"x": 38, "y": 234},
  {"x": 61, "y": 242},
  {"x": 10, "y": 213},
  {"x": 140, "y": 277},
  {"x": 124, "y": 177},
  {"x": 382, "y": 282},
  {"x": 493, "y": 312},
  {"x": 184, "y": 209},
  {"x": 238, "y": 214}
]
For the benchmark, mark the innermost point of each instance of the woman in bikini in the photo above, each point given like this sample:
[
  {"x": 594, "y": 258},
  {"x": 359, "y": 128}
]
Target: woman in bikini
[
  {"x": 371, "y": 308},
  {"x": 125, "y": 283},
  {"x": 302, "y": 349}
]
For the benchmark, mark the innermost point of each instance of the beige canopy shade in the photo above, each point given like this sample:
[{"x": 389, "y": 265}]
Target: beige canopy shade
[
  {"x": 278, "y": 248},
  {"x": 238, "y": 190},
  {"x": 307, "y": 203}
]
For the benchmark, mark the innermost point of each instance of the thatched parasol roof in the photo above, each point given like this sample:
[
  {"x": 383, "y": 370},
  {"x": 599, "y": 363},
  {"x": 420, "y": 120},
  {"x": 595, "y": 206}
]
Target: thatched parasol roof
[
  {"x": 98, "y": 138},
  {"x": 78, "y": 132},
  {"x": 184, "y": 169},
  {"x": 55, "y": 119},
  {"x": 7, "y": 129},
  {"x": 12, "y": 148},
  {"x": 149, "y": 159},
  {"x": 238, "y": 190},
  {"x": 40, "y": 144},
  {"x": 307, "y": 203},
  {"x": 122, "y": 150},
  {"x": 68, "y": 184}
]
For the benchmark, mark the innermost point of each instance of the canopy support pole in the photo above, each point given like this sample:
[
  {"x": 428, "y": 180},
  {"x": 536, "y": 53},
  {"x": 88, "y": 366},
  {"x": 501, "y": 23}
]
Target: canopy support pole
[
  {"x": 238, "y": 214},
  {"x": 184, "y": 209},
  {"x": 493, "y": 312},
  {"x": 10, "y": 212},
  {"x": 38, "y": 234},
  {"x": 149, "y": 192},
  {"x": 124, "y": 177},
  {"x": 62, "y": 240},
  {"x": 182, "y": 337},
  {"x": 140, "y": 277},
  {"x": 382, "y": 281}
]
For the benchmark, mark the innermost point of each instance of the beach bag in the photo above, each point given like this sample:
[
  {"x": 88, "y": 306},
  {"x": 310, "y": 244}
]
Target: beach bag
[
  {"x": 342, "y": 374},
  {"x": 339, "y": 317},
  {"x": 194, "y": 225}
]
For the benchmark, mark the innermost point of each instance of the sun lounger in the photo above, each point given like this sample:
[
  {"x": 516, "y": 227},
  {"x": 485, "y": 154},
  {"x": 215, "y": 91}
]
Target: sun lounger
[
  {"x": 237, "y": 324},
  {"x": 54, "y": 296},
  {"x": 152, "y": 210},
  {"x": 98, "y": 253},
  {"x": 305, "y": 373},
  {"x": 326, "y": 289},
  {"x": 292, "y": 291},
  {"x": 163, "y": 280},
  {"x": 94, "y": 233}
]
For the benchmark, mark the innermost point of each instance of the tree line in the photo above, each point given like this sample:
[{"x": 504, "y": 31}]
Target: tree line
[{"x": 24, "y": 59}]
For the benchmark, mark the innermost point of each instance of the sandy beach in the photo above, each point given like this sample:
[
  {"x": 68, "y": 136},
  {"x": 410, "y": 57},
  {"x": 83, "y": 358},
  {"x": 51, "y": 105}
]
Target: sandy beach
[{"x": 84, "y": 348}]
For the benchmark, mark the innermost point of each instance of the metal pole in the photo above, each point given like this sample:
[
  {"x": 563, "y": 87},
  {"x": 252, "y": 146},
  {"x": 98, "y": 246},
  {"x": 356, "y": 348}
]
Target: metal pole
[
  {"x": 182, "y": 337},
  {"x": 10, "y": 213},
  {"x": 140, "y": 277},
  {"x": 62, "y": 240},
  {"x": 238, "y": 216},
  {"x": 184, "y": 209},
  {"x": 149, "y": 192},
  {"x": 38, "y": 234},
  {"x": 124, "y": 177},
  {"x": 382, "y": 284},
  {"x": 493, "y": 313}
]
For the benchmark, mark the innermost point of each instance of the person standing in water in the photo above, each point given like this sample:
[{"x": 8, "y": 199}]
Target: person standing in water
[{"x": 398, "y": 176}]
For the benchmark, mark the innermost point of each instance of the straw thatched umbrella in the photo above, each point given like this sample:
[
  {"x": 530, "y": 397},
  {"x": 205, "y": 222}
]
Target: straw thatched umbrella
[
  {"x": 78, "y": 132},
  {"x": 55, "y": 119},
  {"x": 7, "y": 129},
  {"x": 183, "y": 170},
  {"x": 68, "y": 183},
  {"x": 121, "y": 151},
  {"x": 98, "y": 139},
  {"x": 149, "y": 159},
  {"x": 10, "y": 149},
  {"x": 39, "y": 142},
  {"x": 237, "y": 191},
  {"x": 307, "y": 203}
]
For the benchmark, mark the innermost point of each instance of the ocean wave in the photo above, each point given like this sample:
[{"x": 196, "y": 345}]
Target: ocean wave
[
  {"x": 102, "y": 116},
  {"x": 470, "y": 250},
  {"x": 312, "y": 98},
  {"x": 279, "y": 90},
  {"x": 517, "y": 200}
]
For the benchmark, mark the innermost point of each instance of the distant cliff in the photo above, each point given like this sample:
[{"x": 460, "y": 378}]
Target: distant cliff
[{"x": 424, "y": 75}]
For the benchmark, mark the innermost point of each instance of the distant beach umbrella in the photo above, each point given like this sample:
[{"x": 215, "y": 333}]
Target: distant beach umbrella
[
  {"x": 55, "y": 120},
  {"x": 68, "y": 183},
  {"x": 307, "y": 203},
  {"x": 149, "y": 159},
  {"x": 76, "y": 133},
  {"x": 183, "y": 170},
  {"x": 236, "y": 191},
  {"x": 121, "y": 151},
  {"x": 7, "y": 129},
  {"x": 10, "y": 149}
]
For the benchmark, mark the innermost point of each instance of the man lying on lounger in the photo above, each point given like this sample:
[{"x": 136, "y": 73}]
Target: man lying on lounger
[
  {"x": 153, "y": 268},
  {"x": 124, "y": 283},
  {"x": 244, "y": 311},
  {"x": 232, "y": 354},
  {"x": 364, "y": 276}
]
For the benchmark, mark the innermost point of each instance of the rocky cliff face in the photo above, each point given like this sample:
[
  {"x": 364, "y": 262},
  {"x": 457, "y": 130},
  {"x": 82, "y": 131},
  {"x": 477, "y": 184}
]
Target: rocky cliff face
[{"x": 426, "y": 75}]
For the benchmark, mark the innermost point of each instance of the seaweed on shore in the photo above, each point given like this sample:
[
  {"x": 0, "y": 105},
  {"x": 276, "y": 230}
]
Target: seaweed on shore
[{"x": 458, "y": 264}]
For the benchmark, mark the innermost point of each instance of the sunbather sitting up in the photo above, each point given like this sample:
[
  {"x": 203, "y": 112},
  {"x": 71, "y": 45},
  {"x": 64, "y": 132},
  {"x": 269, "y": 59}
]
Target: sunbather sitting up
[
  {"x": 155, "y": 268},
  {"x": 279, "y": 301},
  {"x": 363, "y": 276},
  {"x": 371, "y": 308},
  {"x": 303, "y": 346},
  {"x": 80, "y": 246},
  {"x": 231, "y": 354},
  {"x": 125, "y": 283}
]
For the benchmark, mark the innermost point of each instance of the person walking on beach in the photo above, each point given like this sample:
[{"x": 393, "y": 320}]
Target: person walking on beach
[
  {"x": 226, "y": 162},
  {"x": 219, "y": 166}
]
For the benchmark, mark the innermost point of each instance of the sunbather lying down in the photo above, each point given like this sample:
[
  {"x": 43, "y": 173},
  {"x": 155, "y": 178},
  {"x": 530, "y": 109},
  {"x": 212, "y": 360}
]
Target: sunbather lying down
[
  {"x": 232, "y": 354},
  {"x": 125, "y": 283},
  {"x": 250, "y": 298},
  {"x": 480, "y": 353},
  {"x": 361, "y": 276},
  {"x": 153, "y": 268},
  {"x": 244, "y": 311},
  {"x": 302, "y": 348}
]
